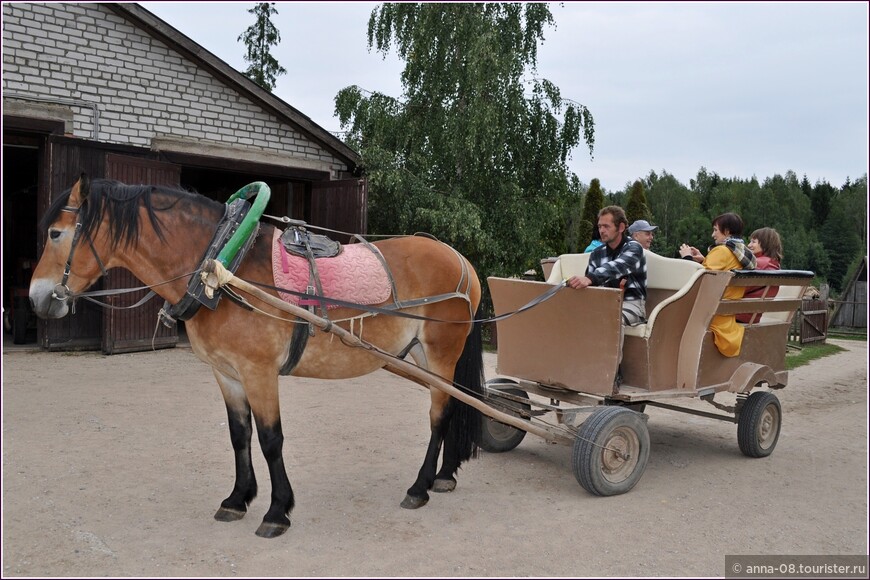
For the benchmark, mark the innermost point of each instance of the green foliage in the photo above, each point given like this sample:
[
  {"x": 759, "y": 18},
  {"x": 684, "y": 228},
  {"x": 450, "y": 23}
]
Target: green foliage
[
  {"x": 637, "y": 208},
  {"x": 703, "y": 187},
  {"x": 565, "y": 234},
  {"x": 669, "y": 201},
  {"x": 853, "y": 199},
  {"x": 474, "y": 153},
  {"x": 693, "y": 229},
  {"x": 842, "y": 243},
  {"x": 263, "y": 68},
  {"x": 591, "y": 206},
  {"x": 821, "y": 198},
  {"x": 781, "y": 202}
]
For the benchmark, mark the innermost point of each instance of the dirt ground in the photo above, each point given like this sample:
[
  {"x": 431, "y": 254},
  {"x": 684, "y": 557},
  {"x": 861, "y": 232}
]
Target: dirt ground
[{"x": 114, "y": 466}]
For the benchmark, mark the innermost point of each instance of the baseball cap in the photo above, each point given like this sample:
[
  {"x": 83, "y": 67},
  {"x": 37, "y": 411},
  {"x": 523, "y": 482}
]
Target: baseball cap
[{"x": 641, "y": 226}]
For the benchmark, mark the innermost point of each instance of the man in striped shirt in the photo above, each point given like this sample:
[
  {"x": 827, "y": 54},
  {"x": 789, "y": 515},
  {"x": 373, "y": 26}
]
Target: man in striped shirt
[{"x": 618, "y": 263}]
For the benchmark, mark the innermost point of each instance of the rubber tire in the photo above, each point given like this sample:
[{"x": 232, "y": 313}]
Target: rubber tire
[
  {"x": 759, "y": 424},
  {"x": 596, "y": 468},
  {"x": 19, "y": 324},
  {"x": 496, "y": 437}
]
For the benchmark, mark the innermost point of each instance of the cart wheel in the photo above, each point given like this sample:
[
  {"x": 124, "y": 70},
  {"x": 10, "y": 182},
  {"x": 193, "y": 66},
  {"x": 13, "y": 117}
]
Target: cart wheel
[
  {"x": 496, "y": 437},
  {"x": 611, "y": 451},
  {"x": 19, "y": 323},
  {"x": 759, "y": 424}
]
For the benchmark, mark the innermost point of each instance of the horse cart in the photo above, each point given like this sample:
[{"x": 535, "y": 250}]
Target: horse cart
[
  {"x": 561, "y": 344},
  {"x": 571, "y": 349}
]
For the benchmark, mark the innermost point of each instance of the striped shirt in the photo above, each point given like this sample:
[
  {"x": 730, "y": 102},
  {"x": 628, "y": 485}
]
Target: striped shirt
[{"x": 608, "y": 267}]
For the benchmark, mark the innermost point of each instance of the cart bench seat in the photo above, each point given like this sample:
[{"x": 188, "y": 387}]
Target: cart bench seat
[{"x": 666, "y": 277}]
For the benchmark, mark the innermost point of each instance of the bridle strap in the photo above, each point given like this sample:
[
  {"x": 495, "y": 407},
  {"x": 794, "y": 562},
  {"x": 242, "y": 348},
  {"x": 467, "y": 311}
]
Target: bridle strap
[{"x": 62, "y": 291}]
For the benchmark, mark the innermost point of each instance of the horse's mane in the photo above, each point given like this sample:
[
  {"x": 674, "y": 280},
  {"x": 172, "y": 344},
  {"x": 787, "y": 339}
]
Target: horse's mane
[{"x": 120, "y": 203}]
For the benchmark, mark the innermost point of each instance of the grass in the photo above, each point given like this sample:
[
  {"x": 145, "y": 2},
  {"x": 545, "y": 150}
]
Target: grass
[
  {"x": 845, "y": 335},
  {"x": 810, "y": 352}
]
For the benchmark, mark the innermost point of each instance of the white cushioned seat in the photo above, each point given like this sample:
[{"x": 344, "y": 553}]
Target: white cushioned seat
[
  {"x": 568, "y": 265},
  {"x": 668, "y": 279}
]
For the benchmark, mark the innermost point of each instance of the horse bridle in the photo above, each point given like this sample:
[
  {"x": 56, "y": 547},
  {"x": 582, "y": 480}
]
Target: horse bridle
[{"x": 61, "y": 291}]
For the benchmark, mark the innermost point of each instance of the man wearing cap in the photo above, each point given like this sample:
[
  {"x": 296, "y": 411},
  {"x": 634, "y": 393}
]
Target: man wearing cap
[{"x": 642, "y": 232}]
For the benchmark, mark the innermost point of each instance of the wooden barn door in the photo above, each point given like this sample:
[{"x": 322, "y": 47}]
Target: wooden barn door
[
  {"x": 65, "y": 160},
  {"x": 134, "y": 330},
  {"x": 340, "y": 205}
]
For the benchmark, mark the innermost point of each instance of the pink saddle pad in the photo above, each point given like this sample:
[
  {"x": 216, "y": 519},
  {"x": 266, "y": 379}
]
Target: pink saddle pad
[{"x": 355, "y": 275}]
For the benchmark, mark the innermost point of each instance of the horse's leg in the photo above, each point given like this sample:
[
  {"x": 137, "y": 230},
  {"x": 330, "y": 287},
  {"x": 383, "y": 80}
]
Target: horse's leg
[
  {"x": 239, "y": 415},
  {"x": 417, "y": 495},
  {"x": 445, "y": 480},
  {"x": 461, "y": 428},
  {"x": 262, "y": 389}
]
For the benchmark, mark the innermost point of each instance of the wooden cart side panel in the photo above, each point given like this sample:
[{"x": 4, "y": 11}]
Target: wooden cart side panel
[
  {"x": 712, "y": 285},
  {"x": 668, "y": 357},
  {"x": 763, "y": 344},
  {"x": 572, "y": 340},
  {"x": 651, "y": 363}
]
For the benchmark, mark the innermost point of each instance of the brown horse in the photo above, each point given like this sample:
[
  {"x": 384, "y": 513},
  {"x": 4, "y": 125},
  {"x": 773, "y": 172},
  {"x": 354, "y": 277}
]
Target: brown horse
[{"x": 160, "y": 234}]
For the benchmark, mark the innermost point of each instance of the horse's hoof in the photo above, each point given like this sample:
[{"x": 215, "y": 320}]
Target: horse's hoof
[
  {"x": 228, "y": 515},
  {"x": 411, "y": 503},
  {"x": 443, "y": 485},
  {"x": 271, "y": 530}
]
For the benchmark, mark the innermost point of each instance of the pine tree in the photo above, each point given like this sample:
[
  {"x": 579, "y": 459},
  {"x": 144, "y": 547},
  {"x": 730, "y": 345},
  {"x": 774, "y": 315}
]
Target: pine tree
[
  {"x": 637, "y": 208},
  {"x": 820, "y": 202},
  {"x": 591, "y": 205},
  {"x": 841, "y": 244},
  {"x": 263, "y": 69}
]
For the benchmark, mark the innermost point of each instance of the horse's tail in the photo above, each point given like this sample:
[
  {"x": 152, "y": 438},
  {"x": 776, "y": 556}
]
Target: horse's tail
[{"x": 464, "y": 428}]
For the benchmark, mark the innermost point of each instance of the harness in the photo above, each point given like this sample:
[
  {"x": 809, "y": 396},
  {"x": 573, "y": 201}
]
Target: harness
[
  {"x": 299, "y": 241},
  {"x": 195, "y": 297},
  {"x": 62, "y": 291},
  {"x": 234, "y": 236}
]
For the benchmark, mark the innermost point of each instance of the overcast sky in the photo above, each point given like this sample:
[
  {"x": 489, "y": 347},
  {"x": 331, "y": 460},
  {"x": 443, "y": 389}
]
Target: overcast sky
[{"x": 742, "y": 89}]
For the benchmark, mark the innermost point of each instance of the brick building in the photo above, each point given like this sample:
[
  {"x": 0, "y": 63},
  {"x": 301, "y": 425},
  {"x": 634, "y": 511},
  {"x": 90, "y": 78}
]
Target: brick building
[{"x": 113, "y": 90}]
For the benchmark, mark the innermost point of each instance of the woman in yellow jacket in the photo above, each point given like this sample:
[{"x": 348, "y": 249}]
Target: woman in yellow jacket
[{"x": 727, "y": 253}]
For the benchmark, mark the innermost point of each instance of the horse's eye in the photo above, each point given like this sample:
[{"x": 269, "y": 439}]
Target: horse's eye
[{"x": 54, "y": 234}]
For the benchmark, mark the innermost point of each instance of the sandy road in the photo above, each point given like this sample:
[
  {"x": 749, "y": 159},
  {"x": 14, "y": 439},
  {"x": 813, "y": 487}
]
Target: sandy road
[{"x": 113, "y": 466}]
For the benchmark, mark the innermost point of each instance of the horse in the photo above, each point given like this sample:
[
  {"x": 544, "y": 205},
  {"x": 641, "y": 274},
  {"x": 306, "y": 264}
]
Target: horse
[{"x": 160, "y": 235}]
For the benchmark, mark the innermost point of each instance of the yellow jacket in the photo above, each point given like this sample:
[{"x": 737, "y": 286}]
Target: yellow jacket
[{"x": 727, "y": 332}]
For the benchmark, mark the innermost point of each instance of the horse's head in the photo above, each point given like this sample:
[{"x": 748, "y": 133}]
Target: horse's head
[{"x": 70, "y": 262}]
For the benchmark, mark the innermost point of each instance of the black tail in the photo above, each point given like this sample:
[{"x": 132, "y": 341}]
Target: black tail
[{"x": 464, "y": 424}]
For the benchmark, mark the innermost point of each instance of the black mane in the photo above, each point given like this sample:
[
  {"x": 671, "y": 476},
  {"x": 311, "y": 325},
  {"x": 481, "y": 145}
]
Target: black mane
[{"x": 121, "y": 202}]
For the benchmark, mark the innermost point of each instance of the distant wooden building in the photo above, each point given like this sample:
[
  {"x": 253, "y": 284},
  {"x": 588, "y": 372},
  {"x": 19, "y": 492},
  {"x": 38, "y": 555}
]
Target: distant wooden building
[
  {"x": 851, "y": 309},
  {"x": 113, "y": 90}
]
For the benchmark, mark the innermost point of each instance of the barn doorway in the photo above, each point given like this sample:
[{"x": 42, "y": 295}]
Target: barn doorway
[{"x": 21, "y": 163}]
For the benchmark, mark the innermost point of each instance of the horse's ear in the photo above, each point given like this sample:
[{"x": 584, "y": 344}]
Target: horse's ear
[
  {"x": 79, "y": 192},
  {"x": 84, "y": 186}
]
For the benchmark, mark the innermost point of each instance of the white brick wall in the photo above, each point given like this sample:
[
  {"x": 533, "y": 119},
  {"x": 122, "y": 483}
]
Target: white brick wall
[{"x": 142, "y": 88}]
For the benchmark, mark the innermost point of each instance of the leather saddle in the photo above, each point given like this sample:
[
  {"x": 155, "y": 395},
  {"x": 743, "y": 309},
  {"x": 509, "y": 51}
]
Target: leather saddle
[{"x": 299, "y": 241}]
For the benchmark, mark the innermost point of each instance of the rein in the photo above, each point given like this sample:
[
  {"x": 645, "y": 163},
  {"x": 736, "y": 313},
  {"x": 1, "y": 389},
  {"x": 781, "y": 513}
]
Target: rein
[
  {"x": 395, "y": 309},
  {"x": 62, "y": 292}
]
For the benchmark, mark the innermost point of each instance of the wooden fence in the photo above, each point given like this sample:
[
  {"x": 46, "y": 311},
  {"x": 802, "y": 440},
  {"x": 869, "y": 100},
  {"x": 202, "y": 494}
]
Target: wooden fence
[{"x": 810, "y": 323}]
